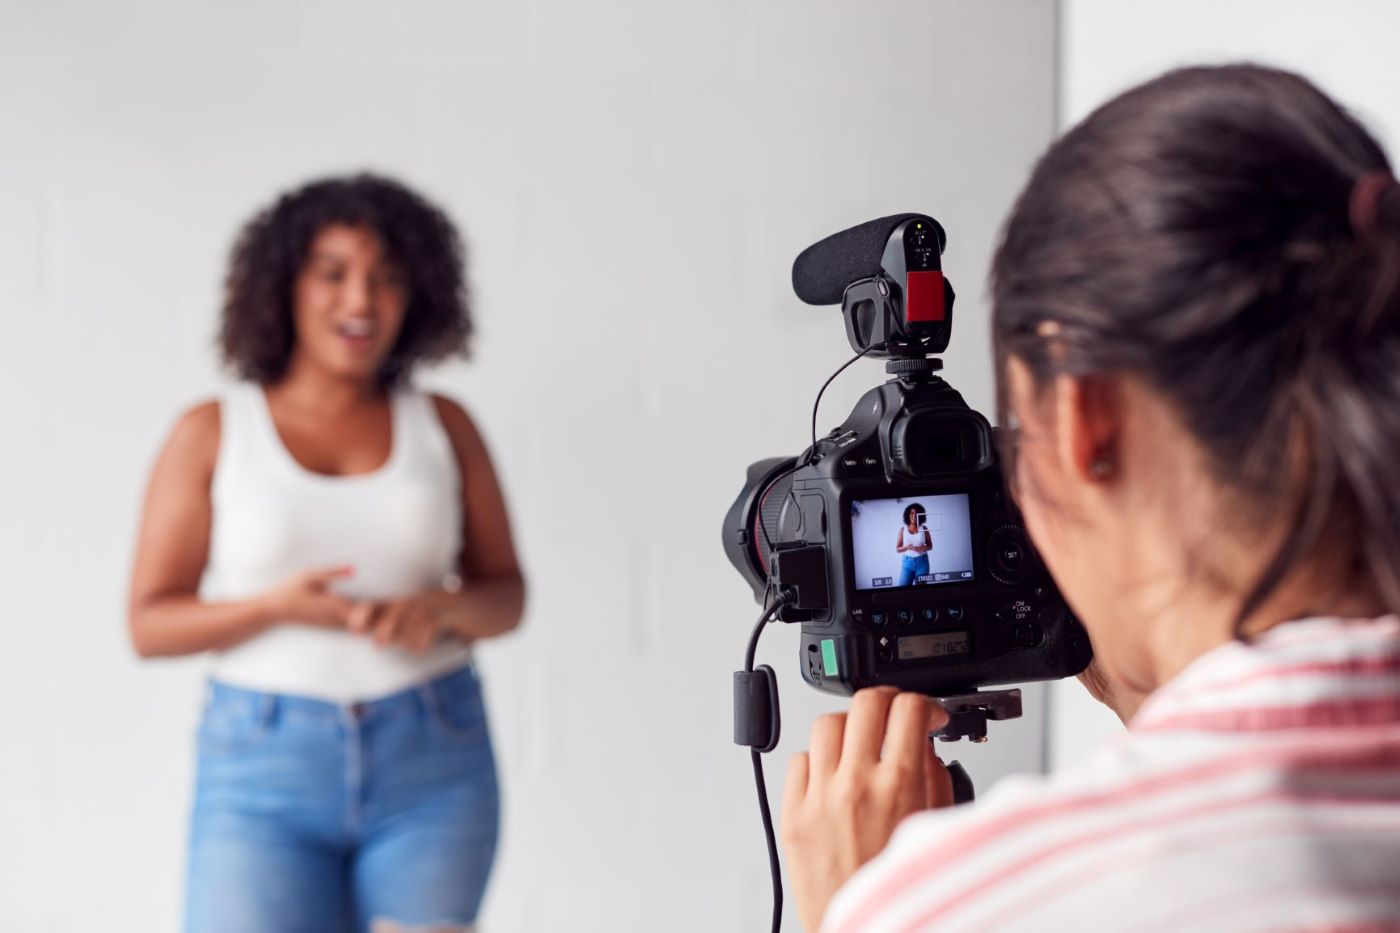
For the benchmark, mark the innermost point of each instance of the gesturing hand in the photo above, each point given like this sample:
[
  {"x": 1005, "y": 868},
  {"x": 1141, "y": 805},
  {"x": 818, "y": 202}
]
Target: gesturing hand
[
  {"x": 867, "y": 769},
  {"x": 306, "y": 597},
  {"x": 410, "y": 623}
]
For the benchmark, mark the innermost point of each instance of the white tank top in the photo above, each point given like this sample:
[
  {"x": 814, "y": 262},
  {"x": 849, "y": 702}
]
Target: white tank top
[{"x": 398, "y": 527}]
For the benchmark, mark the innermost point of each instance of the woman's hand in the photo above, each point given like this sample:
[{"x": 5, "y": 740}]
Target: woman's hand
[
  {"x": 867, "y": 769},
  {"x": 306, "y": 598},
  {"x": 412, "y": 623}
]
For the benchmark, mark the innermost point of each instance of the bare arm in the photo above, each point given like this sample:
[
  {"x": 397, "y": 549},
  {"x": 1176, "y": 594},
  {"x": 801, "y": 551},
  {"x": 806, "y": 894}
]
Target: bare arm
[
  {"x": 899, "y": 547},
  {"x": 492, "y": 598},
  {"x": 165, "y": 615}
]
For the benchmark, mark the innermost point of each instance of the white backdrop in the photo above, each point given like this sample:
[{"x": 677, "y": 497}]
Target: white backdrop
[
  {"x": 633, "y": 178},
  {"x": 1346, "y": 46}
]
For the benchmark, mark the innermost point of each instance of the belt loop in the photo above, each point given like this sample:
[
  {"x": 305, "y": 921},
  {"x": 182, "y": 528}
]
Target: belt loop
[
  {"x": 428, "y": 699},
  {"x": 267, "y": 708}
]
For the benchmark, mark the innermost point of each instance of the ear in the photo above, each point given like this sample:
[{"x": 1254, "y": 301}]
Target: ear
[{"x": 1088, "y": 418}]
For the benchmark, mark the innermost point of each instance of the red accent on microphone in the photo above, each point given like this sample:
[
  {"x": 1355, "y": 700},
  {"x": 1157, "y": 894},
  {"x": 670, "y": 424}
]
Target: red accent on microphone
[{"x": 923, "y": 297}]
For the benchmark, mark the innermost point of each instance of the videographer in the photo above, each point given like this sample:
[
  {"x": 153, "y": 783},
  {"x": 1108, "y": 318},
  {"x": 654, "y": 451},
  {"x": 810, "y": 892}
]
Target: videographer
[{"x": 1197, "y": 332}]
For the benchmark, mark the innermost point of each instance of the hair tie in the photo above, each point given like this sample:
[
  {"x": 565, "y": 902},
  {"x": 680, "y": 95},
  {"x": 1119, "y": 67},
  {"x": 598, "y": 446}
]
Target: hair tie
[{"x": 1365, "y": 196}]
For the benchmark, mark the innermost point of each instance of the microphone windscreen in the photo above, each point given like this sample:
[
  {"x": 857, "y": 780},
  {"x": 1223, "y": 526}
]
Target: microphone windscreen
[{"x": 822, "y": 271}]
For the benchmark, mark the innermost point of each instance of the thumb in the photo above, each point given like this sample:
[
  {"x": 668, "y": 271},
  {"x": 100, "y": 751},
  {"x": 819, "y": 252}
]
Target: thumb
[
  {"x": 322, "y": 577},
  {"x": 939, "y": 782}
]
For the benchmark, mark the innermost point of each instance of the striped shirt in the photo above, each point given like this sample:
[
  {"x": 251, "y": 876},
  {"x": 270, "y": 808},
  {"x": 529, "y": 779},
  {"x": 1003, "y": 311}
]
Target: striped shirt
[{"x": 1257, "y": 790}]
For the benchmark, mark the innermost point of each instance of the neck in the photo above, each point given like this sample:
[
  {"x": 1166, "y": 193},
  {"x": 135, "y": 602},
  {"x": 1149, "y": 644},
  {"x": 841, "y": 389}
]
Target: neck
[
  {"x": 310, "y": 386},
  {"x": 1191, "y": 624}
]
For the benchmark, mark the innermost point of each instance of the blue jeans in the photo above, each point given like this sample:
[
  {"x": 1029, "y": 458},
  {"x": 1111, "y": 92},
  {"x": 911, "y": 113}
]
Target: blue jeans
[
  {"x": 311, "y": 817},
  {"x": 913, "y": 567}
]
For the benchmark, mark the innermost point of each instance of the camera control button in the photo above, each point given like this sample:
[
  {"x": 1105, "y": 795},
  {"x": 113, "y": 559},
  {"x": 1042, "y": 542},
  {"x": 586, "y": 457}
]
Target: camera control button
[
  {"x": 1026, "y": 635},
  {"x": 903, "y": 616},
  {"x": 929, "y": 615},
  {"x": 1022, "y": 610},
  {"x": 1008, "y": 554},
  {"x": 953, "y": 612},
  {"x": 850, "y": 463},
  {"x": 878, "y": 618}
]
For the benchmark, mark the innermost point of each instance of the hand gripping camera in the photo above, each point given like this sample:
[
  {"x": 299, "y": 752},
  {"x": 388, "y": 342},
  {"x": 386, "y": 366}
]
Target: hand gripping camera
[{"x": 892, "y": 539}]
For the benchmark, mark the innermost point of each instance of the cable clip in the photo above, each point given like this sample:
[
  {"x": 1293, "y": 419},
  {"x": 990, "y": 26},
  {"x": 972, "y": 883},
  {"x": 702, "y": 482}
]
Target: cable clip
[{"x": 757, "y": 722}]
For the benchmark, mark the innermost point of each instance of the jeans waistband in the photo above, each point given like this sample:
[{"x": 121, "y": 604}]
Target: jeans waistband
[{"x": 410, "y": 701}]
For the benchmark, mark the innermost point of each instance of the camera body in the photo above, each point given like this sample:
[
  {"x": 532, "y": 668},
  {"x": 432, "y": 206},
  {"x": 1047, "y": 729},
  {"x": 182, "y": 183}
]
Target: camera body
[{"x": 893, "y": 538}]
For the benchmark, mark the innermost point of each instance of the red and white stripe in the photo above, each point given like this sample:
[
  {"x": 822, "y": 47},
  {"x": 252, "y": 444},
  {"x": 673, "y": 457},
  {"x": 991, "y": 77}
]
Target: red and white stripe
[{"x": 1259, "y": 790}]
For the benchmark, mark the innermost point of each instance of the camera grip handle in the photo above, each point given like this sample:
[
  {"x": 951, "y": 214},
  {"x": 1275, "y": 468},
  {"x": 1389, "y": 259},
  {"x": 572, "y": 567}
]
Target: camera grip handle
[{"x": 962, "y": 784}]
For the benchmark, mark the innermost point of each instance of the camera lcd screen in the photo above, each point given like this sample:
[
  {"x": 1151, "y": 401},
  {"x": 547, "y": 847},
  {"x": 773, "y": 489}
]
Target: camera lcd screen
[
  {"x": 937, "y": 645},
  {"x": 911, "y": 541}
]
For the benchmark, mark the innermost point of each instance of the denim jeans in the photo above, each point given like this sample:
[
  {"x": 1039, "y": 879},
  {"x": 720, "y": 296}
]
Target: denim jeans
[
  {"x": 310, "y": 817},
  {"x": 913, "y": 567}
]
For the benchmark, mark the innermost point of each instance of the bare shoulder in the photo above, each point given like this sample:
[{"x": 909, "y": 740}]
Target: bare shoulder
[
  {"x": 194, "y": 441},
  {"x": 458, "y": 424}
]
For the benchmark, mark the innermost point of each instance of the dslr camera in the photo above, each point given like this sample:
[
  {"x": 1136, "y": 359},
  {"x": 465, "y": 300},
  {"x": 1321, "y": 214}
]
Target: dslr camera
[{"x": 893, "y": 540}]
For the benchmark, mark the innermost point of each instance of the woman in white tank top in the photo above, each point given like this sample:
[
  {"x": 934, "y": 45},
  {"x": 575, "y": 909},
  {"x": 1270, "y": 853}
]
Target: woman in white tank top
[{"x": 337, "y": 541}]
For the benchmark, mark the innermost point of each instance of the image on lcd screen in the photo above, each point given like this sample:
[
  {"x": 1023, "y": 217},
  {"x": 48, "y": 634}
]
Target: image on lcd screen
[{"x": 911, "y": 541}]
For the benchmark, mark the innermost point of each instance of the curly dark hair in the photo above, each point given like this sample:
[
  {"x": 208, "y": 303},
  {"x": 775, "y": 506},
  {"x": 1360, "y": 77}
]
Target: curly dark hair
[{"x": 257, "y": 332}]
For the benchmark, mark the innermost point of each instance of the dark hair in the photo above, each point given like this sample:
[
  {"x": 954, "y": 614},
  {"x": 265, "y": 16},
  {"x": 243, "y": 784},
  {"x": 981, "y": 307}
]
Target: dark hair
[
  {"x": 915, "y": 509},
  {"x": 1195, "y": 233},
  {"x": 257, "y": 333}
]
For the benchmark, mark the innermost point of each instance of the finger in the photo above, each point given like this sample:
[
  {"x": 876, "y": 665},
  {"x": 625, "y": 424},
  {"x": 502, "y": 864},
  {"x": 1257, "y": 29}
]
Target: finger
[
  {"x": 795, "y": 787},
  {"x": 361, "y": 616},
  {"x": 865, "y": 725},
  {"x": 339, "y": 608},
  {"x": 323, "y": 576},
  {"x": 386, "y": 628},
  {"x": 421, "y": 634},
  {"x": 912, "y": 717},
  {"x": 827, "y": 734}
]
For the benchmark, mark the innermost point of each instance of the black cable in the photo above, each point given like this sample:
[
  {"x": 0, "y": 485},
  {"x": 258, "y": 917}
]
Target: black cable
[
  {"x": 828, "y": 382},
  {"x": 802, "y": 461},
  {"x": 772, "y": 843},
  {"x": 769, "y": 611}
]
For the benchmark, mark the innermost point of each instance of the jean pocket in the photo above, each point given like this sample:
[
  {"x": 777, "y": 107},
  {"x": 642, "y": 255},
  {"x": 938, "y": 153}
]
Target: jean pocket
[
  {"x": 231, "y": 728},
  {"x": 457, "y": 706}
]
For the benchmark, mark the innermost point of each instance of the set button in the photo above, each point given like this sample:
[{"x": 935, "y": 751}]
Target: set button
[{"x": 1008, "y": 554}]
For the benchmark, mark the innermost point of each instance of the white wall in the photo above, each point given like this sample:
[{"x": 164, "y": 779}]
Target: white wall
[
  {"x": 1107, "y": 46},
  {"x": 634, "y": 178}
]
